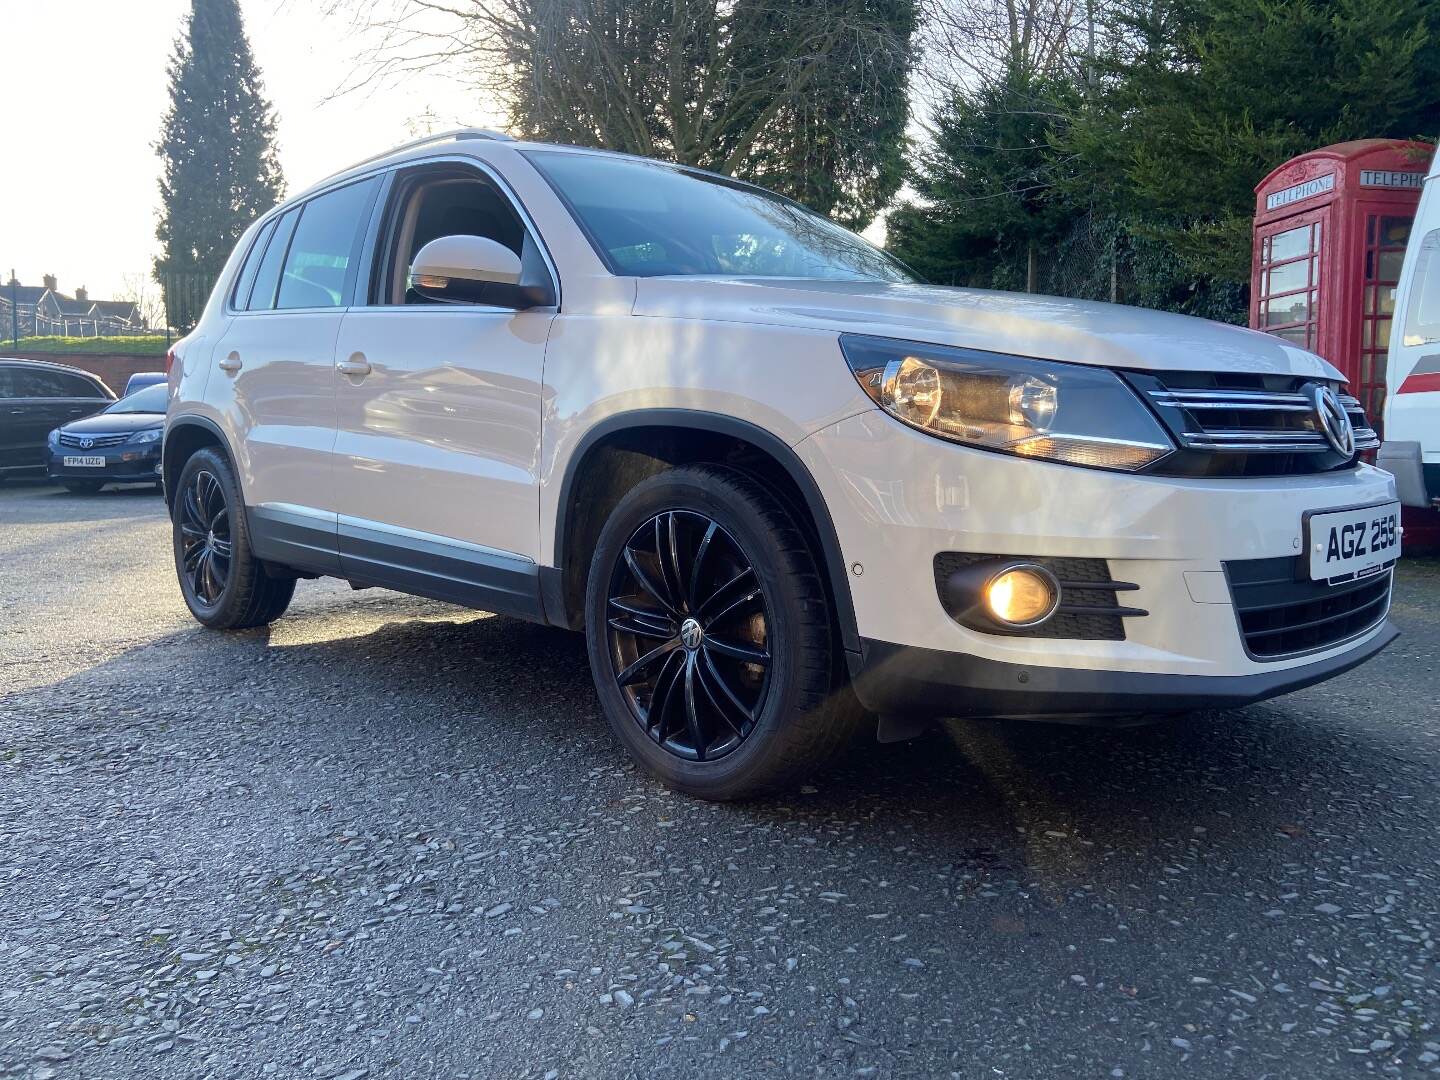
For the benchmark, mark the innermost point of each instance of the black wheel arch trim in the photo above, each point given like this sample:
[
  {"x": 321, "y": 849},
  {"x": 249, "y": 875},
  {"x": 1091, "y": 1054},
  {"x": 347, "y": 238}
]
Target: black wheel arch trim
[
  {"x": 170, "y": 469},
  {"x": 716, "y": 424}
]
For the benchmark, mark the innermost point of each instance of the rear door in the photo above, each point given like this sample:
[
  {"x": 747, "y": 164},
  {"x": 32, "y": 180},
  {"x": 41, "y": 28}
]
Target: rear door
[{"x": 274, "y": 372}]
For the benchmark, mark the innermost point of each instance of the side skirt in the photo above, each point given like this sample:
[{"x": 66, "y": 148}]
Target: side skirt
[
  {"x": 440, "y": 568},
  {"x": 368, "y": 553}
]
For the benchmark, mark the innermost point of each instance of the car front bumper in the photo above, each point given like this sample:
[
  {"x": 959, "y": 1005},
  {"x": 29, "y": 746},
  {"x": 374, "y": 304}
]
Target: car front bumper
[
  {"x": 910, "y": 681},
  {"x": 125, "y": 463},
  {"x": 899, "y": 498}
]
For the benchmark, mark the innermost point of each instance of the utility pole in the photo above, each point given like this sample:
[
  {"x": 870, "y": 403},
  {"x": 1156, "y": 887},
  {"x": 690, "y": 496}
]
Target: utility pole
[{"x": 14, "y": 310}]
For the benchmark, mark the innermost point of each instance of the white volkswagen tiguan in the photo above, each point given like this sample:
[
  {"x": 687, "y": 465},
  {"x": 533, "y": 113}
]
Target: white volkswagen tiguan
[{"x": 777, "y": 482}]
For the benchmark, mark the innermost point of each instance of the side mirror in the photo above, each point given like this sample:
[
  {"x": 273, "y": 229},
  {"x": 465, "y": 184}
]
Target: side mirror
[{"x": 474, "y": 270}]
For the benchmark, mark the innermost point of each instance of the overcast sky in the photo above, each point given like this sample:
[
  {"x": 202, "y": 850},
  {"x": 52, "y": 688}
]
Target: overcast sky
[{"x": 85, "y": 87}]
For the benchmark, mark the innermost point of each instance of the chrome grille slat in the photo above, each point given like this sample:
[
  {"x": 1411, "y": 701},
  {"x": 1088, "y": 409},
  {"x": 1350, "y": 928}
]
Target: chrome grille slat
[
  {"x": 1258, "y": 437},
  {"x": 96, "y": 441},
  {"x": 1219, "y": 399}
]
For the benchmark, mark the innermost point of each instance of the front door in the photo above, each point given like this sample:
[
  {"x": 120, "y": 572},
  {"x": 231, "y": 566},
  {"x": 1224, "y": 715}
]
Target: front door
[{"x": 439, "y": 408}]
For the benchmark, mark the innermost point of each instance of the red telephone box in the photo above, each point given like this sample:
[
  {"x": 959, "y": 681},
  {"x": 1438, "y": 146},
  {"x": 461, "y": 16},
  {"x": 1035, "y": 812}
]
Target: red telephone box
[{"x": 1330, "y": 233}]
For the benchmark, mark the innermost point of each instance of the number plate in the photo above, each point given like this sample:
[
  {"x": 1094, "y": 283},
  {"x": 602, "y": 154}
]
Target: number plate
[
  {"x": 84, "y": 462},
  {"x": 1346, "y": 542}
]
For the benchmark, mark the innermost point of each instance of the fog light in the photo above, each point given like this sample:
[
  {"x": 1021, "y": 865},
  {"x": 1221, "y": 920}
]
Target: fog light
[{"x": 1022, "y": 595}]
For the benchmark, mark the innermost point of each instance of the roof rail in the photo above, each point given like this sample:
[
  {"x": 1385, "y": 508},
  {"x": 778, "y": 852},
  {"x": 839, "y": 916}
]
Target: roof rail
[{"x": 458, "y": 134}]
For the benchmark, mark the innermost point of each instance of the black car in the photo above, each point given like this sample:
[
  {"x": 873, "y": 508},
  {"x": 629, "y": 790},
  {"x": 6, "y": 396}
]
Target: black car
[
  {"x": 36, "y": 397},
  {"x": 118, "y": 446}
]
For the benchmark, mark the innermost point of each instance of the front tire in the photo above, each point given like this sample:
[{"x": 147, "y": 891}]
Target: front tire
[
  {"x": 710, "y": 637},
  {"x": 225, "y": 586}
]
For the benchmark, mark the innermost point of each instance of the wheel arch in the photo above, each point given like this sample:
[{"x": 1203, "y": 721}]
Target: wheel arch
[
  {"x": 183, "y": 437},
  {"x": 626, "y": 448}
]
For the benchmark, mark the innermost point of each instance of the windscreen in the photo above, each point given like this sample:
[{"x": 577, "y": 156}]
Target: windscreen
[
  {"x": 649, "y": 219},
  {"x": 150, "y": 400}
]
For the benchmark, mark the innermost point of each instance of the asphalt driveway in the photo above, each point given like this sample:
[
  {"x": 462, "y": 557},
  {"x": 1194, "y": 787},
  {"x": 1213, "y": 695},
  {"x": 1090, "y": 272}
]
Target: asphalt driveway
[{"x": 390, "y": 838}]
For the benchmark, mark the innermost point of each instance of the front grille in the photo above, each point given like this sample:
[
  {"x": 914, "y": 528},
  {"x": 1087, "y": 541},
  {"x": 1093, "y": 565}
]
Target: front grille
[
  {"x": 95, "y": 441},
  {"x": 1089, "y": 609},
  {"x": 1283, "y": 613},
  {"x": 1229, "y": 424}
]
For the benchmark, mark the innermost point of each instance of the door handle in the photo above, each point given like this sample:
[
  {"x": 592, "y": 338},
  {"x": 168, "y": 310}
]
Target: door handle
[
  {"x": 231, "y": 363},
  {"x": 356, "y": 365}
]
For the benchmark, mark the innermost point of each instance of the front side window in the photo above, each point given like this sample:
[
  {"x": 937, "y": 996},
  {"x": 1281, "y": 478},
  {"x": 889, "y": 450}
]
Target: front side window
[
  {"x": 432, "y": 203},
  {"x": 1422, "y": 311},
  {"x": 649, "y": 219},
  {"x": 325, "y": 246}
]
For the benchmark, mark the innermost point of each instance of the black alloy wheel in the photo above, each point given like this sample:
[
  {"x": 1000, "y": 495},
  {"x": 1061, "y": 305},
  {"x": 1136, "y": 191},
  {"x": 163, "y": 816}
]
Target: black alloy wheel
[
  {"x": 711, "y": 638},
  {"x": 689, "y": 635},
  {"x": 224, "y": 585},
  {"x": 204, "y": 520}
]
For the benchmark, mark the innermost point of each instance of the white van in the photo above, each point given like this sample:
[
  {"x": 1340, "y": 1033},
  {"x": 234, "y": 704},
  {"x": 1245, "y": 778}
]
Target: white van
[{"x": 1412, "y": 409}]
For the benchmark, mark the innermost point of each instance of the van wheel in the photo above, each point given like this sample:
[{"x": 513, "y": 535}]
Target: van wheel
[
  {"x": 224, "y": 585},
  {"x": 710, "y": 637}
]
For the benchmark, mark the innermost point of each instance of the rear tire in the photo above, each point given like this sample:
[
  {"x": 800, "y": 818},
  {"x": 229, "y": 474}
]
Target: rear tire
[
  {"x": 225, "y": 586},
  {"x": 735, "y": 704},
  {"x": 82, "y": 487}
]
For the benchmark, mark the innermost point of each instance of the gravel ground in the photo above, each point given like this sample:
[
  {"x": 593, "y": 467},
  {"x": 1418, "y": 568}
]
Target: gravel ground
[{"x": 389, "y": 838}]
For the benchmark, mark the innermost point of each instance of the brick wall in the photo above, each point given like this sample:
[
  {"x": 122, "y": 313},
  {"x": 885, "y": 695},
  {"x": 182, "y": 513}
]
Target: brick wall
[{"x": 115, "y": 371}]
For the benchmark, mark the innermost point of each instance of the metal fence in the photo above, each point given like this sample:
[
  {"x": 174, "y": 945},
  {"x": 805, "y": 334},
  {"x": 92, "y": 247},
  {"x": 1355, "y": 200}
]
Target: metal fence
[
  {"x": 184, "y": 297},
  {"x": 170, "y": 312}
]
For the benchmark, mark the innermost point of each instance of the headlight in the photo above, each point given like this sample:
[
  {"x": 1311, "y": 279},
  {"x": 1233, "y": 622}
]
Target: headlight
[
  {"x": 148, "y": 436},
  {"x": 53, "y": 439},
  {"x": 1031, "y": 408}
]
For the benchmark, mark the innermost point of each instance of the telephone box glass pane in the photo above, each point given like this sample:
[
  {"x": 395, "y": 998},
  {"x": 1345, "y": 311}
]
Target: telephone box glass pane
[
  {"x": 1290, "y": 244},
  {"x": 1290, "y": 277},
  {"x": 1395, "y": 231},
  {"x": 1390, "y": 265},
  {"x": 1290, "y": 309},
  {"x": 1295, "y": 334}
]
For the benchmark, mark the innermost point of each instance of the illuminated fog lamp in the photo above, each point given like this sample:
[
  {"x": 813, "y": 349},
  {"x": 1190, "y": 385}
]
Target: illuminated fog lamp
[{"x": 1022, "y": 595}]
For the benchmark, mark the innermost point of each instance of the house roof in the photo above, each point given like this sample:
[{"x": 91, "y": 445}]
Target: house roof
[
  {"x": 124, "y": 309},
  {"x": 66, "y": 306},
  {"x": 23, "y": 294}
]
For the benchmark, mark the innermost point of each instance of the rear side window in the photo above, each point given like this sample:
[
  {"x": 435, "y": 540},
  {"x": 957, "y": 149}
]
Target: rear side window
[
  {"x": 245, "y": 281},
  {"x": 267, "y": 276},
  {"x": 1422, "y": 311},
  {"x": 75, "y": 386},
  {"x": 34, "y": 383},
  {"x": 325, "y": 247}
]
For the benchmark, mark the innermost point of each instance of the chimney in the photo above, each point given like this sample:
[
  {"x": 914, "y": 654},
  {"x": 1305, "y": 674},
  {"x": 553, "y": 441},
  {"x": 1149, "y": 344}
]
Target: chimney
[
  {"x": 50, "y": 283},
  {"x": 82, "y": 295}
]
